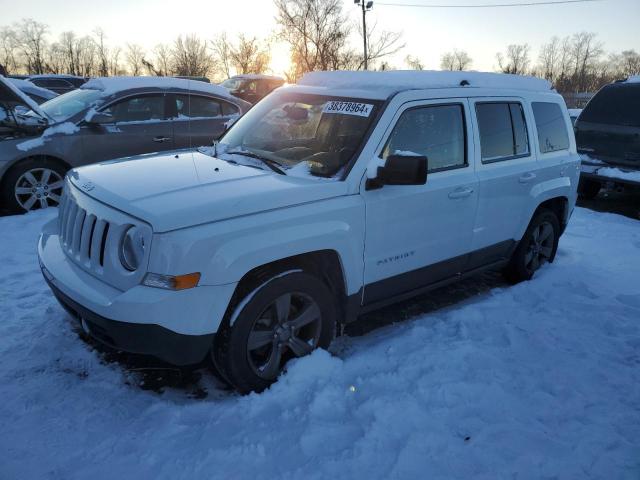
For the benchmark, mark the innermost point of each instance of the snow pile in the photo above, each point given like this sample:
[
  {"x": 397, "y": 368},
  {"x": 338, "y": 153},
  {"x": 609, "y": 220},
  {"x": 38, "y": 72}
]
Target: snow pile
[
  {"x": 539, "y": 380},
  {"x": 411, "y": 79},
  {"x": 65, "y": 128},
  {"x": 111, "y": 85}
]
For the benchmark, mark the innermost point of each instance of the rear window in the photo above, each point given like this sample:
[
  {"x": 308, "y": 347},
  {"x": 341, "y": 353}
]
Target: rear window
[
  {"x": 616, "y": 104},
  {"x": 551, "y": 126},
  {"x": 503, "y": 131}
]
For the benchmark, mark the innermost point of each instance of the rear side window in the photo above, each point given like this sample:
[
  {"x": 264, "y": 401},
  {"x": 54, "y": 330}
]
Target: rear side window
[
  {"x": 551, "y": 126},
  {"x": 437, "y": 132},
  {"x": 503, "y": 131},
  {"x": 617, "y": 104},
  {"x": 229, "y": 109},
  {"x": 193, "y": 106}
]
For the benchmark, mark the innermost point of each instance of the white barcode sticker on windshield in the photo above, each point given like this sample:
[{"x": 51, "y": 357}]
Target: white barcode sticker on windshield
[{"x": 348, "y": 108}]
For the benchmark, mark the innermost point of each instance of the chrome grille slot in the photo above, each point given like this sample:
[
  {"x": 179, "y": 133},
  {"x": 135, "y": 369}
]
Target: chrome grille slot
[{"x": 90, "y": 234}]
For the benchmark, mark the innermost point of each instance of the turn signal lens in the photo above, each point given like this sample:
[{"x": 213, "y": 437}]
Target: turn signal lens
[{"x": 170, "y": 282}]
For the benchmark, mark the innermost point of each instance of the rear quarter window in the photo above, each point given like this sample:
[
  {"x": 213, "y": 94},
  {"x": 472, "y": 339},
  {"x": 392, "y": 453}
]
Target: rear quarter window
[{"x": 551, "y": 126}]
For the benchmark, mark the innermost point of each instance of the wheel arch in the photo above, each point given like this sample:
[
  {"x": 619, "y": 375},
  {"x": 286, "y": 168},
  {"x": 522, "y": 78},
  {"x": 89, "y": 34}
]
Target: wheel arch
[{"x": 325, "y": 264}]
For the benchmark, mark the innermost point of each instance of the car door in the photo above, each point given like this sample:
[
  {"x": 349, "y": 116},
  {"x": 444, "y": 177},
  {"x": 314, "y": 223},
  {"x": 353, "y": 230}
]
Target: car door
[
  {"x": 417, "y": 235},
  {"x": 139, "y": 126},
  {"x": 199, "y": 119},
  {"x": 507, "y": 172}
]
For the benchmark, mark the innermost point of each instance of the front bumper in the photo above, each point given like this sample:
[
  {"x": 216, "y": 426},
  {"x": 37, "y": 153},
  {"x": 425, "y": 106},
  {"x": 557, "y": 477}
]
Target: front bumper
[{"x": 175, "y": 326}]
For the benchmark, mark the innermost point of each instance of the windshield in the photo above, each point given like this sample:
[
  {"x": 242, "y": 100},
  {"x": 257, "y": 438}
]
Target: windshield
[
  {"x": 67, "y": 105},
  {"x": 309, "y": 134},
  {"x": 617, "y": 104},
  {"x": 231, "y": 83}
]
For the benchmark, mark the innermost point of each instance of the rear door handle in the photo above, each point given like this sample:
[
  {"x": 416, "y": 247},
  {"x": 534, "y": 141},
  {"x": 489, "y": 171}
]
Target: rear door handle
[
  {"x": 527, "y": 177},
  {"x": 161, "y": 139},
  {"x": 460, "y": 193}
]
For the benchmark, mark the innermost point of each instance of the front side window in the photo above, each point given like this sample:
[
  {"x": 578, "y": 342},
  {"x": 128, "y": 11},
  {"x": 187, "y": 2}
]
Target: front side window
[
  {"x": 305, "y": 133},
  {"x": 193, "y": 106},
  {"x": 436, "y": 132},
  {"x": 550, "y": 123},
  {"x": 138, "y": 109},
  {"x": 503, "y": 131}
]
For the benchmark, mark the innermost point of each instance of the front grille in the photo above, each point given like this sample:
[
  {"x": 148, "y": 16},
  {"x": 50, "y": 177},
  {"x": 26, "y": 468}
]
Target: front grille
[
  {"x": 82, "y": 234},
  {"x": 91, "y": 233}
]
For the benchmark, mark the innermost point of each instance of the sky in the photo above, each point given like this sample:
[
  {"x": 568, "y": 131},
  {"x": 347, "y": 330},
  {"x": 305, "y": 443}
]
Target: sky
[{"x": 427, "y": 32}]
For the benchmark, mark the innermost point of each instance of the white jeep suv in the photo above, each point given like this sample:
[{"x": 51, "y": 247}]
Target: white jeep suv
[{"x": 348, "y": 191}]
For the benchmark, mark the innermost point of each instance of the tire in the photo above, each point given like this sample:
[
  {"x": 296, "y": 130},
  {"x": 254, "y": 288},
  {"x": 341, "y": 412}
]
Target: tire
[
  {"x": 589, "y": 189},
  {"x": 537, "y": 247},
  {"x": 286, "y": 317},
  {"x": 32, "y": 184}
]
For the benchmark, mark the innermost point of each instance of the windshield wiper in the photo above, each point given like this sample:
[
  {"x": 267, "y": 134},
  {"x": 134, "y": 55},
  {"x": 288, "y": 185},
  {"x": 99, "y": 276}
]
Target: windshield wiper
[{"x": 272, "y": 164}]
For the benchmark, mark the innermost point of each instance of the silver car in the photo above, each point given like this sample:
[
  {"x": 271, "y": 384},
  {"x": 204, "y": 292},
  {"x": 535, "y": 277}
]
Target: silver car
[{"x": 106, "y": 118}]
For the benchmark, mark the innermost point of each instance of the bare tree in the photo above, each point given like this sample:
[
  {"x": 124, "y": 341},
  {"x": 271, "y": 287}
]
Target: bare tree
[
  {"x": 515, "y": 60},
  {"x": 8, "y": 45},
  {"x": 32, "y": 42},
  {"x": 380, "y": 45},
  {"x": 102, "y": 52},
  {"x": 630, "y": 63},
  {"x": 455, "y": 60},
  {"x": 162, "y": 60},
  {"x": 222, "y": 48},
  {"x": 135, "y": 57},
  {"x": 114, "y": 62},
  {"x": 191, "y": 57},
  {"x": 317, "y": 32},
  {"x": 586, "y": 52},
  {"x": 549, "y": 59},
  {"x": 249, "y": 56},
  {"x": 414, "y": 63}
]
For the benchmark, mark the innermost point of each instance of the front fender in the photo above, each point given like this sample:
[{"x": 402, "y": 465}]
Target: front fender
[{"x": 223, "y": 252}]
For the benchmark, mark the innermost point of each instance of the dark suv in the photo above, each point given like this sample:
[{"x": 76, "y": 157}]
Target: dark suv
[
  {"x": 58, "y": 83},
  {"x": 252, "y": 87},
  {"x": 608, "y": 137}
]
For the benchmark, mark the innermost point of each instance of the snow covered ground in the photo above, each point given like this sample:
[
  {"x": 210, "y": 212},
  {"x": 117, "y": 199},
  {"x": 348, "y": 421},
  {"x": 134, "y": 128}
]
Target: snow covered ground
[{"x": 539, "y": 380}]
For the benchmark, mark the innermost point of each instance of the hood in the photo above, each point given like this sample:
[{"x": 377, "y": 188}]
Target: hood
[
  {"x": 183, "y": 189},
  {"x": 11, "y": 96}
]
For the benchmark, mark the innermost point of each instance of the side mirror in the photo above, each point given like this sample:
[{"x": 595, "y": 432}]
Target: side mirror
[
  {"x": 98, "y": 118},
  {"x": 401, "y": 170}
]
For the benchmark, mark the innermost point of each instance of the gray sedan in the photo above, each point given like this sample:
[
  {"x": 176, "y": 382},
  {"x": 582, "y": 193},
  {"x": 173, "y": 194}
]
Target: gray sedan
[{"x": 106, "y": 118}]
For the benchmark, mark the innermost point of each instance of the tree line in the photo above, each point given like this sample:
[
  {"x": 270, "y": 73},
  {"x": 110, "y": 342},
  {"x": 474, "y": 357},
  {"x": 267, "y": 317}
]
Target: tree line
[{"x": 320, "y": 37}]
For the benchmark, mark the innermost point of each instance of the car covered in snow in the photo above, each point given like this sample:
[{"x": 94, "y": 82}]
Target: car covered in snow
[
  {"x": 252, "y": 87},
  {"x": 58, "y": 83},
  {"x": 105, "y": 118},
  {"x": 608, "y": 138},
  {"x": 328, "y": 199}
]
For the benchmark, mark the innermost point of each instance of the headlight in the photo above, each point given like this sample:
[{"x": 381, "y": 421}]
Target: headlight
[{"x": 132, "y": 249}]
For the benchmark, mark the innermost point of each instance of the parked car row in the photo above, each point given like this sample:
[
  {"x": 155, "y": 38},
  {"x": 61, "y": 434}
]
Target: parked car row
[{"x": 105, "y": 118}]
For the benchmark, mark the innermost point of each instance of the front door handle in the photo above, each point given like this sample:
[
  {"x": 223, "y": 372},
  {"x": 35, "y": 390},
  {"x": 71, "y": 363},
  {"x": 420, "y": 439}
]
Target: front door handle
[
  {"x": 527, "y": 177},
  {"x": 161, "y": 139},
  {"x": 460, "y": 193}
]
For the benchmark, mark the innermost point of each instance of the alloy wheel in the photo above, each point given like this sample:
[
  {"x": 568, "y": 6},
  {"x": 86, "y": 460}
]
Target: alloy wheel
[
  {"x": 39, "y": 188},
  {"x": 540, "y": 246},
  {"x": 289, "y": 327}
]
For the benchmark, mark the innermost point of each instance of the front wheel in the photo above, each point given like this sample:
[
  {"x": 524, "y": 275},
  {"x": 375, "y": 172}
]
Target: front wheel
[
  {"x": 537, "y": 247},
  {"x": 285, "y": 318},
  {"x": 33, "y": 184}
]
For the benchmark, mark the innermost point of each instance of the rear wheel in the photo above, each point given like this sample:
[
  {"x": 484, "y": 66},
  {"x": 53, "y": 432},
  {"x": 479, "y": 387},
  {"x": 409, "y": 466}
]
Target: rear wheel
[
  {"x": 33, "y": 184},
  {"x": 537, "y": 247},
  {"x": 285, "y": 318},
  {"x": 589, "y": 189}
]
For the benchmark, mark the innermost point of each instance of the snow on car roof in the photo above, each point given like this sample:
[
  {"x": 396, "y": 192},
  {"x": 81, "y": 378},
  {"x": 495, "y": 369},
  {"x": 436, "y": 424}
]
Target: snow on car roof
[
  {"x": 393, "y": 81},
  {"x": 633, "y": 79},
  {"x": 110, "y": 85}
]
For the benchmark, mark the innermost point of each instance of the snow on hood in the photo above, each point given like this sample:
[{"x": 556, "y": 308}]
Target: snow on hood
[
  {"x": 66, "y": 128},
  {"x": 11, "y": 94},
  {"x": 111, "y": 85},
  {"x": 183, "y": 189}
]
